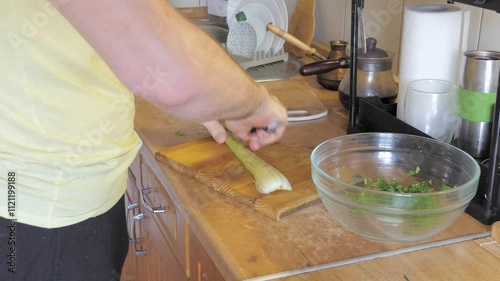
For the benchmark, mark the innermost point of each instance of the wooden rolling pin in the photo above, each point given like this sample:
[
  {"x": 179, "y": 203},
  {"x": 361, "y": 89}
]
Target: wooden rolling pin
[{"x": 293, "y": 40}]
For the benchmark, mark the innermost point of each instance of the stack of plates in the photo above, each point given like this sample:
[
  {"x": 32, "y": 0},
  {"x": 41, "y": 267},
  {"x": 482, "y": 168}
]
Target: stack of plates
[{"x": 259, "y": 13}]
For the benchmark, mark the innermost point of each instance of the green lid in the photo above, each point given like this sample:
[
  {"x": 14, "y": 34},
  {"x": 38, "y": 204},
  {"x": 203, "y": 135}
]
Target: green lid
[{"x": 240, "y": 16}]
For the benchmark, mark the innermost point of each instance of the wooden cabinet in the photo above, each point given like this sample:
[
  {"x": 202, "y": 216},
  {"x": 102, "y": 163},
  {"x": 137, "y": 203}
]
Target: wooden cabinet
[
  {"x": 168, "y": 219},
  {"x": 135, "y": 264},
  {"x": 162, "y": 245},
  {"x": 203, "y": 268}
]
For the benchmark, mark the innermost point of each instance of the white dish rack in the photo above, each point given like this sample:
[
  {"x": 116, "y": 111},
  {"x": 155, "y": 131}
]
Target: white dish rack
[{"x": 261, "y": 58}]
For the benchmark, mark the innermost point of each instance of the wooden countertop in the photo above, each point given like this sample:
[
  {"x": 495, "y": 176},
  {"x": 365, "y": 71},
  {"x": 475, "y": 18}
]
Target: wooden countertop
[{"x": 245, "y": 244}]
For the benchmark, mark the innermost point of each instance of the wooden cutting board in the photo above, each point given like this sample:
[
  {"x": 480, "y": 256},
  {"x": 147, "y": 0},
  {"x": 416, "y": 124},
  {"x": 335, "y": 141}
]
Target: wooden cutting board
[
  {"x": 301, "y": 25},
  {"x": 216, "y": 166}
]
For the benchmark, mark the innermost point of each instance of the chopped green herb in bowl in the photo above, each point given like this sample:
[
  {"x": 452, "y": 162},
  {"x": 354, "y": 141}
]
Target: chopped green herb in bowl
[
  {"x": 421, "y": 186},
  {"x": 393, "y": 188}
]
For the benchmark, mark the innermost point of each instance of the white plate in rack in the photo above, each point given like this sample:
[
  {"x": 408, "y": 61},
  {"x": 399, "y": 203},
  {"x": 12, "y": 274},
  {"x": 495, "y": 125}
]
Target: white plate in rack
[
  {"x": 278, "y": 42},
  {"x": 259, "y": 13}
]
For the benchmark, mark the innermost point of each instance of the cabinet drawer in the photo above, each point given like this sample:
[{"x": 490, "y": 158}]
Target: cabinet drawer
[
  {"x": 203, "y": 268},
  {"x": 134, "y": 267},
  {"x": 168, "y": 248},
  {"x": 162, "y": 263},
  {"x": 132, "y": 206},
  {"x": 162, "y": 209},
  {"x": 135, "y": 170}
]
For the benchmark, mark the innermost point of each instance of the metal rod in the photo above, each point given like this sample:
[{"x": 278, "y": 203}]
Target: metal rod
[
  {"x": 418, "y": 247},
  {"x": 354, "y": 65},
  {"x": 492, "y": 192}
]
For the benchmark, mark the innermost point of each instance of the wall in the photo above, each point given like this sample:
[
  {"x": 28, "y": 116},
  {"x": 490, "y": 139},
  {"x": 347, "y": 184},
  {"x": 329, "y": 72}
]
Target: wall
[
  {"x": 188, "y": 3},
  {"x": 383, "y": 19}
]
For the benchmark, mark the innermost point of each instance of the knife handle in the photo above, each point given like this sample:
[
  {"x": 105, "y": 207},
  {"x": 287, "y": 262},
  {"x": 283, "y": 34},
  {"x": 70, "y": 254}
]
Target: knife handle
[{"x": 271, "y": 128}]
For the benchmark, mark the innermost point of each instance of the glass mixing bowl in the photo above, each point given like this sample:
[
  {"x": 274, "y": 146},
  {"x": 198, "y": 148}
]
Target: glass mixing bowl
[{"x": 340, "y": 166}]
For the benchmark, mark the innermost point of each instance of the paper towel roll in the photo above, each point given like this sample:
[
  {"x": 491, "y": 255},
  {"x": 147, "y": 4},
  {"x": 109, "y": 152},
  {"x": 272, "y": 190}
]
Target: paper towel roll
[{"x": 431, "y": 45}]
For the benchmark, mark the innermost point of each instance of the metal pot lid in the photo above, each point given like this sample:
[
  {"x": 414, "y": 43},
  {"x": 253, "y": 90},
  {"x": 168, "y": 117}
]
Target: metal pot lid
[{"x": 375, "y": 59}]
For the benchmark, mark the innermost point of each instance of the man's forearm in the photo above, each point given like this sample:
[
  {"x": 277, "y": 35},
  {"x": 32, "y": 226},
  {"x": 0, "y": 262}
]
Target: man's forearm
[{"x": 161, "y": 56}]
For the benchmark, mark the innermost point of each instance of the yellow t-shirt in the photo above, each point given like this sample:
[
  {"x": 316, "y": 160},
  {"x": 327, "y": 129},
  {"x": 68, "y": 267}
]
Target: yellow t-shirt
[{"x": 66, "y": 122}]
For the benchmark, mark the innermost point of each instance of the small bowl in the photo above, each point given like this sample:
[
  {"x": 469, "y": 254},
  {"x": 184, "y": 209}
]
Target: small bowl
[{"x": 340, "y": 165}]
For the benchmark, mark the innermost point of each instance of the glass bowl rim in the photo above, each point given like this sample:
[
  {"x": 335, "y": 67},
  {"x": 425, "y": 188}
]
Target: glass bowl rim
[{"x": 474, "y": 178}]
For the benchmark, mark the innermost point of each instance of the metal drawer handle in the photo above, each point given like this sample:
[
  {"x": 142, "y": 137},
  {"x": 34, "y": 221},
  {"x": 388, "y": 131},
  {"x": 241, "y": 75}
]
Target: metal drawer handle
[
  {"x": 138, "y": 252},
  {"x": 130, "y": 208},
  {"x": 155, "y": 210}
]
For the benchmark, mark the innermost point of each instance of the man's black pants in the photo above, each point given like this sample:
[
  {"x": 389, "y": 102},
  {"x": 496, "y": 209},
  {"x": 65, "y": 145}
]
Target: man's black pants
[{"x": 93, "y": 250}]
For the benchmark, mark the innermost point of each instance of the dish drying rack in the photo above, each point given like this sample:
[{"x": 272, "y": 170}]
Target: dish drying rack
[
  {"x": 261, "y": 57},
  {"x": 374, "y": 116}
]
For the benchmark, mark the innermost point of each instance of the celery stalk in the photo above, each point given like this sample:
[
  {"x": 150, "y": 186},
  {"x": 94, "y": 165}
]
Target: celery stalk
[{"x": 267, "y": 178}]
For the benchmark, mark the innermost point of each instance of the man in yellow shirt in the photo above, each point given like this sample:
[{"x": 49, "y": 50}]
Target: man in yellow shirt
[{"x": 69, "y": 71}]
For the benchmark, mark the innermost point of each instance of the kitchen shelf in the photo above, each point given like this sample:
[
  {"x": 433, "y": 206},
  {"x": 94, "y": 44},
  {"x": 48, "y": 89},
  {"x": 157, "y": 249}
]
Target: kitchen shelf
[{"x": 371, "y": 115}]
